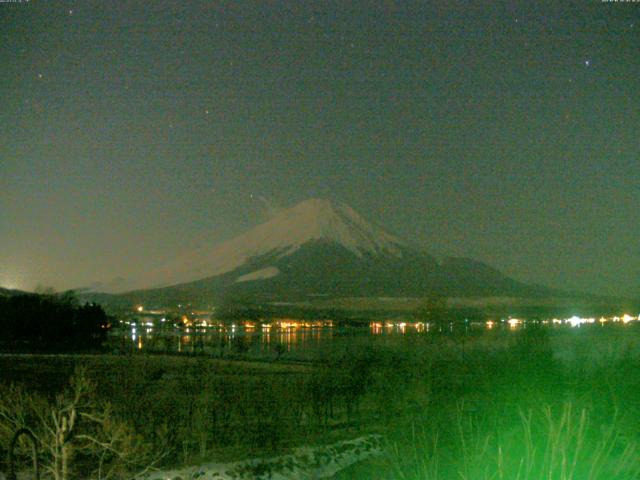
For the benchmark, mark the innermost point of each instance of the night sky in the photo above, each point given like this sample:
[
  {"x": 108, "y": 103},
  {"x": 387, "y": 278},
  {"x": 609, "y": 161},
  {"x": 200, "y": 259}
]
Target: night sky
[{"x": 507, "y": 132}]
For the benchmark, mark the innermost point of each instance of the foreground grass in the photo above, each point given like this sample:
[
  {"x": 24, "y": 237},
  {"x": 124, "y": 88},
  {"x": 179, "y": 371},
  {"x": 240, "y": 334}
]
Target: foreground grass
[
  {"x": 537, "y": 404},
  {"x": 546, "y": 406}
]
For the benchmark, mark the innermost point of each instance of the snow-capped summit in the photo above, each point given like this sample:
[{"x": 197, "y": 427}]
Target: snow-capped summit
[
  {"x": 316, "y": 249},
  {"x": 284, "y": 234},
  {"x": 319, "y": 219}
]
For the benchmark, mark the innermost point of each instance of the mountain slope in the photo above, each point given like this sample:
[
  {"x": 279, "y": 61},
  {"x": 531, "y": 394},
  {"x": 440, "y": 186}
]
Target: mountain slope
[
  {"x": 314, "y": 219},
  {"x": 318, "y": 249}
]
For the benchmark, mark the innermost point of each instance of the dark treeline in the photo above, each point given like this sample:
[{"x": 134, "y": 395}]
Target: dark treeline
[{"x": 33, "y": 322}]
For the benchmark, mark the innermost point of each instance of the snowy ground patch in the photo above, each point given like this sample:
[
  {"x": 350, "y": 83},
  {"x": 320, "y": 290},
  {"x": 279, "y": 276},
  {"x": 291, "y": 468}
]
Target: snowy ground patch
[
  {"x": 261, "y": 274},
  {"x": 305, "y": 463}
]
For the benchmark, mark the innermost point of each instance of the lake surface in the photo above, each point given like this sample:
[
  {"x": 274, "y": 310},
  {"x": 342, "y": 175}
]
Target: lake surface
[
  {"x": 277, "y": 338},
  {"x": 306, "y": 339},
  {"x": 290, "y": 338}
]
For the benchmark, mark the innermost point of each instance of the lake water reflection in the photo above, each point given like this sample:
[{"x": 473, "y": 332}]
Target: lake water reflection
[
  {"x": 243, "y": 337},
  {"x": 275, "y": 338},
  {"x": 298, "y": 338}
]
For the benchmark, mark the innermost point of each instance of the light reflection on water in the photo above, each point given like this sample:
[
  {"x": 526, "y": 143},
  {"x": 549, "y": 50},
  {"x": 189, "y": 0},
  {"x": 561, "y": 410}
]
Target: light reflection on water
[
  {"x": 244, "y": 337},
  {"x": 286, "y": 335},
  {"x": 240, "y": 338}
]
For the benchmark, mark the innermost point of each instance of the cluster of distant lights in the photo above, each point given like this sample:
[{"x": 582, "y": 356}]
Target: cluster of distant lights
[
  {"x": 283, "y": 326},
  {"x": 377, "y": 327},
  {"x": 513, "y": 323},
  {"x": 187, "y": 322},
  {"x": 574, "y": 321}
]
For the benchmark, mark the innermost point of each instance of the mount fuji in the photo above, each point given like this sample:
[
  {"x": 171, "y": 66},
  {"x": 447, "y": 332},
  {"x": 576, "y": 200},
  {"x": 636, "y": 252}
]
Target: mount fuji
[{"x": 318, "y": 249}]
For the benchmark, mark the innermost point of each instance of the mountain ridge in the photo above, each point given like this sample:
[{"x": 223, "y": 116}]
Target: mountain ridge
[
  {"x": 310, "y": 220},
  {"x": 320, "y": 248}
]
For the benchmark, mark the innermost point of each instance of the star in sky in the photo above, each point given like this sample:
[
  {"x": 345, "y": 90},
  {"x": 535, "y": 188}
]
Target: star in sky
[{"x": 297, "y": 110}]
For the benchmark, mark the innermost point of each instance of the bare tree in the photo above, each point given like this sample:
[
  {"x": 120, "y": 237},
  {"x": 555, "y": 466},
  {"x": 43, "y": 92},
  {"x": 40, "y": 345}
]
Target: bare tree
[{"x": 78, "y": 436}]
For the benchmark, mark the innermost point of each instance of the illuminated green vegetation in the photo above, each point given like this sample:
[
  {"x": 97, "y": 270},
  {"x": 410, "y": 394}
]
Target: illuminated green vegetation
[
  {"x": 533, "y": 404},
  {"x": 541, "y": 406}
]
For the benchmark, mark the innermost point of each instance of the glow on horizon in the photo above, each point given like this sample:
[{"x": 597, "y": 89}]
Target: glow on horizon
[{"x": 12, "y": 284}]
